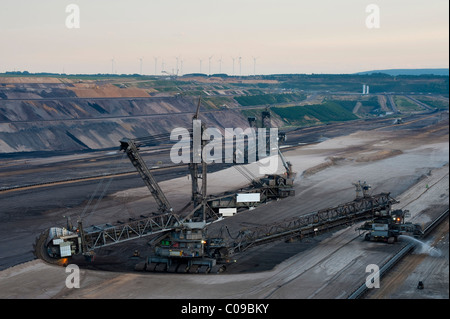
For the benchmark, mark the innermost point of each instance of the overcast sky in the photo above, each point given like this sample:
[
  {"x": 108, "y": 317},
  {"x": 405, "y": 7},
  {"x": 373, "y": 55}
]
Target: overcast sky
[{"x": 286, "y": 36}]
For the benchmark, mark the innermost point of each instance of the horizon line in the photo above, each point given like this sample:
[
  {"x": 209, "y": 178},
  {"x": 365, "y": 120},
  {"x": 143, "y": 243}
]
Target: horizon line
[{"x": 379, "y": 71}]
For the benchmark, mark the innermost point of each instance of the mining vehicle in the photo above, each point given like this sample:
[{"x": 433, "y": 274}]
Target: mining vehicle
[
  {"x": 181, "y": 240},
  {"x": 280, "y": 185},
  {"x": 387, "y": 225},
  {"x": 274, "y": 186},
  {"x": 180, "y": 243}
]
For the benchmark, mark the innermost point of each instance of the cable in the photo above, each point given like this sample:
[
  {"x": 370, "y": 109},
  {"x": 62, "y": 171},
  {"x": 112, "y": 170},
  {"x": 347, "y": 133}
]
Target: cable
[{"x": 103, "y": 192}]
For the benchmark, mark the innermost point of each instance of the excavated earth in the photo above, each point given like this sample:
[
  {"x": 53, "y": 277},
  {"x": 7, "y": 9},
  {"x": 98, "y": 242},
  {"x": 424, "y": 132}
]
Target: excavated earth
[
  {"x": 66, "y": 117},
  {"x": 409, "y": 160}
]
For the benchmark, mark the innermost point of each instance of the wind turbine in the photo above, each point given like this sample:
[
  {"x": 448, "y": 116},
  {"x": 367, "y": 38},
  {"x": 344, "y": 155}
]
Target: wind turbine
[
  {"x": 140, "y": 65},
  {"x": 209, "y": 65},
  {"x": 220, "y": 65},
  {"x": 181, "y": 66},
  {"x": 233, "y": 63},
  {"x": 254, "y": 65},
  {"x": 179, "y": 61},
  {"x": 112, "y": 65},
  {"x": 200, "y": 65}
]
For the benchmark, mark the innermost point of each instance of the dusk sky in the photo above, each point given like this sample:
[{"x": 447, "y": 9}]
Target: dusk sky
[{"x": 286, "y": 36}]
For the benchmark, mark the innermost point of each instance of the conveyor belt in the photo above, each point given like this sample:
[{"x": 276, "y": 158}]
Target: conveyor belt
[{"x": 315, "y": 222}]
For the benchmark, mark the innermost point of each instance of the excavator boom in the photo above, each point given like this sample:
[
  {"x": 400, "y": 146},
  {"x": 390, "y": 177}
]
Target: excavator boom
[{"x": 131, "y": 149}]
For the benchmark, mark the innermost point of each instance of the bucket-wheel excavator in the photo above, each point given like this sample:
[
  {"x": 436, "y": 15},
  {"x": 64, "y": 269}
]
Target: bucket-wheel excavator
[{"x": 180, "y": 242}]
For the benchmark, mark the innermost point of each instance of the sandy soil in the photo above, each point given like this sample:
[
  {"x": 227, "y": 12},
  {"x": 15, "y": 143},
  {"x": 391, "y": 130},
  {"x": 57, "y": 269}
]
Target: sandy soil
[
  {"x": 29, "y": 80},
  {"x": 322, "y": 272},
  {"x": 108, "y": 90}
]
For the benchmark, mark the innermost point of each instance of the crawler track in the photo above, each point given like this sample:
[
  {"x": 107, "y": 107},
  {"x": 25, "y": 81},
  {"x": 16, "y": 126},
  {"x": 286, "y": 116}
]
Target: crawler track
[{"x": 179, "y": 267}]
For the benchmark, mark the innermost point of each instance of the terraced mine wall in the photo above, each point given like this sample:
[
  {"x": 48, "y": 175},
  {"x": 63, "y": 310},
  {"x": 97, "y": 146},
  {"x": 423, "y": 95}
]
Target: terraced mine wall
[{"x": 73, "y": 124}]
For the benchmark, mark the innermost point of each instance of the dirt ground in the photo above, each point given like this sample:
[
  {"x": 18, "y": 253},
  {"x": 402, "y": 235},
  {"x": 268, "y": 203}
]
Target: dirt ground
[
  {"x": 106, "y": 90},
  {"x": 29, "y": 80},
  {"x": 412, "y": 164}
]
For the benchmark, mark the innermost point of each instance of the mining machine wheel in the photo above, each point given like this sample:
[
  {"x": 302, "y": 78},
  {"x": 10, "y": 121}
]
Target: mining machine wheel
[{"x": 40, "y": 251}]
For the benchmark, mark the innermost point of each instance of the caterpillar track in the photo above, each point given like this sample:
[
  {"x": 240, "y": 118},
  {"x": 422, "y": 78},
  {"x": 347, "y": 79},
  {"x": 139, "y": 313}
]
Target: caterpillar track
[
  {"x": 182, "y": 268},
  {"x": 43, "y": 249}
]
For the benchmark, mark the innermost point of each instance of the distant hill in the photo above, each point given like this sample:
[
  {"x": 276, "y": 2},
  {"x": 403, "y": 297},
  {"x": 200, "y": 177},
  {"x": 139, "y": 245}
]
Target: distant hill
[{"x": 396, "y": 72}]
